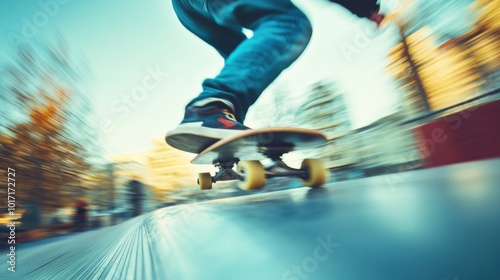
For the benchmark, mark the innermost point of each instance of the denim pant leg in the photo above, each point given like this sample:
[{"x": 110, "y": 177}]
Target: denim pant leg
[
  {"x": 194, "y": 15},
  {"x": 281, "y": 33}
]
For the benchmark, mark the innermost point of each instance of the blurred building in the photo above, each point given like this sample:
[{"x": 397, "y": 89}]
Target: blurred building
[
  {"x": 99, "y": 186},
  {"x": 276, "y": 108},
  {"x": 162, "y": 170},
  {"x": 385, "y": 146},
  {"x": 169, "y": 168},
  {"x": 325, "y": 110},
  {"x": 126, "y": 168}
]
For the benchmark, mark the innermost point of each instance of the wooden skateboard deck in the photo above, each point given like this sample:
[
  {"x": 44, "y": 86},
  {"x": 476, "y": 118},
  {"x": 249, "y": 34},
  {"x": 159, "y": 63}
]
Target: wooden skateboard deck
[
  {"x": 245, "y": 150},
  {"x": 258, "y": 144}
]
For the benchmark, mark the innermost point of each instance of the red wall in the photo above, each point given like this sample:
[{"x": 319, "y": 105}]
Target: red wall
[{"x": 472, "y": 134}]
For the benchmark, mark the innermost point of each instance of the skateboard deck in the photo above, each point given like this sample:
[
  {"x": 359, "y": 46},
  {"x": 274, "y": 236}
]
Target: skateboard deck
[{"x": 246, "y": 149}]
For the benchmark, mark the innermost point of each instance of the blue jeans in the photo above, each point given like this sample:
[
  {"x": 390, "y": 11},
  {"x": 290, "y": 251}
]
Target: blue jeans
[{"x": 281, "y": 32}]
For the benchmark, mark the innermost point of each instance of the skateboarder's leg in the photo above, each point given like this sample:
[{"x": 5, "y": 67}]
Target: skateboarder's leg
[
  {"x": 193, "y": 15},
  {"x": 281, "y": 33}
]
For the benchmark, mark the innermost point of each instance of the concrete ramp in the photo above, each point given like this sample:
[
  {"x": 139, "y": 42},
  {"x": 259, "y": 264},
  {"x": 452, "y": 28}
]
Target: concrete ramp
[{"x": 441, "y": 223}]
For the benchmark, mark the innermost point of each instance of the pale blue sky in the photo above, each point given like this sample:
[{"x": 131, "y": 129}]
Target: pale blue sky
[{"x": 126, "y": 41}]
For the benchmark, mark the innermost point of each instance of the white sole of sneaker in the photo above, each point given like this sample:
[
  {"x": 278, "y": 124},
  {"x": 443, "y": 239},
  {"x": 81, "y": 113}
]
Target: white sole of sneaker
[{"x": 194, "y": 138}]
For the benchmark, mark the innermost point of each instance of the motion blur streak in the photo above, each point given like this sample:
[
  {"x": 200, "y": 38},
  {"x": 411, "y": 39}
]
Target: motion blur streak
[{"x": 411, "y": 195}]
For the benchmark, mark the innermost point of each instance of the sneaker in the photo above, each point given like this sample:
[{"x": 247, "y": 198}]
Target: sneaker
[
  {"x": 202, "y": 127},
  {"x": 377, "y": 17}
]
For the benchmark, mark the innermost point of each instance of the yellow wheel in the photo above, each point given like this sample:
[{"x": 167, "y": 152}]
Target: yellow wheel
[
  {"x": 316, "y": 174},
  {"x": 205, "y": 181},
  {"x": 253, "y": 173}
]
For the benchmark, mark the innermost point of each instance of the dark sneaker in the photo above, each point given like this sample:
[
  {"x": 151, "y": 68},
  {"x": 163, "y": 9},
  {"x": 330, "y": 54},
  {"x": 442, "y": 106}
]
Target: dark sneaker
[{"x": 202, "y": 127}]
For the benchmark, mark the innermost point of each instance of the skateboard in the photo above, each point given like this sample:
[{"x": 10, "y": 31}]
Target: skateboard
[{"x": 246, "y": 150}]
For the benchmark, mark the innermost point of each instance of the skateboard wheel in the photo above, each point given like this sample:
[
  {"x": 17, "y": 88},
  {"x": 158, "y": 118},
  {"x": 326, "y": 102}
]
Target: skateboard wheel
[
  {"x": 253, "y": 175},
  {"x": 205, "y": 181},
  {"x": 316, "y": 174}
]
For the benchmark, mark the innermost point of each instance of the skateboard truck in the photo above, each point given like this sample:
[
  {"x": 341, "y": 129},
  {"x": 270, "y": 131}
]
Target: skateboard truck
[
  {"x": 226, "y": 171},
  {"x": 252, "y": 174}
]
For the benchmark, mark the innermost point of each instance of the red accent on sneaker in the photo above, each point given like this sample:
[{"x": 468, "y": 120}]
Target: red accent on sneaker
[
  {"x": 377, "y": 18},
  {"x": 226, "y": 123}
]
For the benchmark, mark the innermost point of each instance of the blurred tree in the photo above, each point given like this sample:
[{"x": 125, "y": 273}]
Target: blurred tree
[
  {"x": 410, "y": 77},
  {"x": 438, "y": 63},
  {"x": 45, "y": 130},
  {"x": 483, "y": 42}
]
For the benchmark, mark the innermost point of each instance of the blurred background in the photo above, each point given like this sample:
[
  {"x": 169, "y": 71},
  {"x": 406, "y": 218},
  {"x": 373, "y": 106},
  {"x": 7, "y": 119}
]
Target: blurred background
[{"x": 88, "y": 89}]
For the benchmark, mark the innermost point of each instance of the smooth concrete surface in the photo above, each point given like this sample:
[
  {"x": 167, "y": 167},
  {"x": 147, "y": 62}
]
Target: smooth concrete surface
[{"x": 441, "y": 223}]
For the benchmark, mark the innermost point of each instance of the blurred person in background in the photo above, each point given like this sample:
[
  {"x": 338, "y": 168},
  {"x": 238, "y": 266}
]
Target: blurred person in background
[
  {"x": 80, "y": 215},
  {"x": 281, "y": 32}
]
